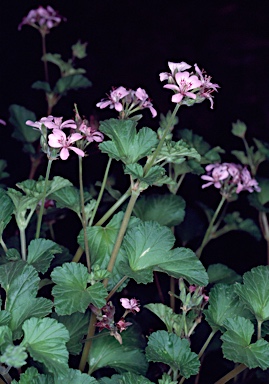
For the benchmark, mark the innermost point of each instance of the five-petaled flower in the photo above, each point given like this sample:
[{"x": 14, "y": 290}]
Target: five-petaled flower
[
  {"x": 114, "y": 98},
  {"x": 58, "y": 139},
  {"x": 42, "y": 18},
  {"x": 91, "y": 134},
  {"x": 131, "y": 305},
  {"x": 230, "y": 178},
  {"x": 185, "y": 83}
]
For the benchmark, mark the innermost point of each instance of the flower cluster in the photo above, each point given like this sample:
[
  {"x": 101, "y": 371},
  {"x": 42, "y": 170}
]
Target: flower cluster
[
  {"x": 42, "y": 18},
  {"x": 58, "y": 138},
  {"x": 105, "y": 317},
  {"x": 189, "y": 87},
  {"x": 127, "y": 101},
  {"x": 230, "y": 178}
]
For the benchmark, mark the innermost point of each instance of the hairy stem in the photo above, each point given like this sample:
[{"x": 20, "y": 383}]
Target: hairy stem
[
  {"x": 111, "y": 293},
  {"x": 23, "y": 243},
  {"x": 44, "y": 51},
  {"x": 84, "y": 219},
  {"x": 88, "y": 343},
  {"x": 41, "y": 211},
  {"x": 101, "y": 191},
  {"x": 121, "y": 233},
  {"x": 209, "y": 229},
  {"x": 240, "y": 368},
  {"x": 159, "y": 147}
]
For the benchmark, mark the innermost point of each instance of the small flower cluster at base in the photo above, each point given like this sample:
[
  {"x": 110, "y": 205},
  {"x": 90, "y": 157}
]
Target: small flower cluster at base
[
  {"x": 127, "y": 101},
  {"x": 189, "y": 87},
  {"x": 42, "y": 18},
  {"x": 105, "y": 317},
  {"x": 230, "y": 178}
]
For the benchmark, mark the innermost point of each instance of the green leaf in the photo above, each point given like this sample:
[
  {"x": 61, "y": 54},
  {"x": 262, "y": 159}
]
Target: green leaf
[
  {"x": 35, "y": 188},
  {"x": 6, "y": 211},
  {"x": 169, "y": 349},
  {"x": 74, "y": 376},
  {"x": 108, "y": 352},
  {"x": 101, "y": 241},
  {"x": 5, "y": 317},
  {"x": 241, "y": 156},
  {"x": 177, "y": 152},
  {"x": 31, "y": 375},
  {"x": 166, "y": 379},
  {"x": 239, "y": 129},
  {"x": 14, "y": 356},
  {"x": 125, "y": 378},
  {"x": 254, "y": 292},
  {"x": 42, "y": 85},
  {"x": 154, "y": 176},
  {"x": 66, "y": 67},
  {"x": 235, "y": 222},
  {"x": 167, "y": 210},
  {"x": 237, "y": 344},
  {"x": 71, "y": 82},
  {"x": 166, "y": 314},
  {"x": 183, "y": 262},
  {"x": 5, "y": 337},
  {"x": 71, "y": 293},
  {"x": 223, "y": 303},
  {"x": 127, "y": 145},
  {"x": 77, "y": 326},
  {"x": 220, "y": 273},
  {"x": 18, "y": 116},
  {"x": 41, "y": 252},
  {"x": 45, "y": 340},
  {"x": 20, "y": 281}
]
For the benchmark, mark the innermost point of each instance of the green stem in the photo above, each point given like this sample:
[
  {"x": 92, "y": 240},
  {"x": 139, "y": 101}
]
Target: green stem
[
  {"x": 265, "y": 230},
  {"x": 159, "y": 147},
  {"x": 202, "y": 350},
  {"x": 259, "y": 329},
  {"x": 101, "y": 191},
  {"x": 84, "y": 219},
  {"x": 106, "y": 216},
  {"x": 44, "y": 51},
  {"x": 88, "y": 343},
  {"x": 3, "y": 245},
  {"x": 38, "y": 227},
  {"x": 240, "y": 368},
  {"x": 209, "y": 229},
  {"x": 121, "y": 233},
  {"x": 114, "y": 207},
  {"x": 250, "y": 157},
  {"x": 23, "y": 243},
  {"x": 114, "y": 289}
]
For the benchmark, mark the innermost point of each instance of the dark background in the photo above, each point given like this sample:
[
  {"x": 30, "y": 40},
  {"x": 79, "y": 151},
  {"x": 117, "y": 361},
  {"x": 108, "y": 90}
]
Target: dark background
[{"x": 129, "y": 44}]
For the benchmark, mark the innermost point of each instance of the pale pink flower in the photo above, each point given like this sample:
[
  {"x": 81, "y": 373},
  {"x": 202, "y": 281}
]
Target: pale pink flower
[
  {"x": 132, "y": 305},
  {"x": 57, "y": 122},
  {"x": 42, "y": 18},
  {"x": 206, "y": 86},
  {"x": 91, "y": 134},
  {"x": 114, "y": 98},
  {"x": 174, "y": 68},
  {"x": 122, "y": 325},
  {"x": 219, "y": 172},
  {"x": 247, "y": 183},
  {"x": 185, "y": 83},
  {"x": 38, "y": 124},
  {"x": 142, "y": 95},
  {"x": 3, "y": 122},
  {"x": 58, "y": 139}
]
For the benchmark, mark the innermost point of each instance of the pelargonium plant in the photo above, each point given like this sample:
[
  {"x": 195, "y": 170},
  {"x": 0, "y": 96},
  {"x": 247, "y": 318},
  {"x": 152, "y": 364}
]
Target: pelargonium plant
[{"x": 73, "y": 317}]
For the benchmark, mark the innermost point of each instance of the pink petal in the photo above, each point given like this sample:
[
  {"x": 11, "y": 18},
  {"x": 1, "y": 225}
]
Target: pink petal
[
  {"x": 78, "y": 151},
  {"x": 177, "y": 98},
  {"x": 64, "y": 154}
]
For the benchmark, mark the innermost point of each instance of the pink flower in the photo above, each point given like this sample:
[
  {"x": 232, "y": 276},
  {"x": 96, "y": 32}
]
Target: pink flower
[
  {"x": 58, "y": 139},
  {"x": 56, "y": 122},
  {"x": 114, "y": 98},
  {"x": 206, "y": 86},
  {"x": 246, "y": 183},
  {"x": 174, "y": 68},
  {"x": 38, "y": 124},
  {"x": 3, "y": 122},
  {"x": 91, "y": 134},
  {"x": 141, "y": 94},
  {"x": 218, "y": 173},
  {"x": 122, "y": 325},
  {"x": 42, "y": 18},
  {"x": 185, "y": 84},
  {"x": 132, "y": 305}
]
